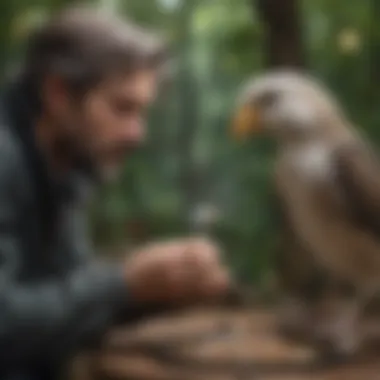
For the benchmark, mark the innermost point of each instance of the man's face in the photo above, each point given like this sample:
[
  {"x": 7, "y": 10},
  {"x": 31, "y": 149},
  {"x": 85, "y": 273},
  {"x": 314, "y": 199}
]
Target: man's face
[{"x": 109, "y": 122}]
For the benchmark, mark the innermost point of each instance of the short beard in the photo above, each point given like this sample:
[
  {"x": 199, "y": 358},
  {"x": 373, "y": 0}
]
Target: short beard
[{"x": 78, "y": 158}]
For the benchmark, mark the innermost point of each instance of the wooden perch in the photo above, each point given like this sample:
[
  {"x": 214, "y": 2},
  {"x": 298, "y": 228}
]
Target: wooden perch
[{"x": 220, "y": 345}]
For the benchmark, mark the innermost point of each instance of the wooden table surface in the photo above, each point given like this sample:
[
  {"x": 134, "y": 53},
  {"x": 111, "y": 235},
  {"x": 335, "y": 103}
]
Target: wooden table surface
[{"x": 216, "y": 345}]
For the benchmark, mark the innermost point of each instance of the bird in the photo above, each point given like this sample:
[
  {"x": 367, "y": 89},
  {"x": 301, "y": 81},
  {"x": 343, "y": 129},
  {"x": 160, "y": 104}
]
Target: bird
[{"x": 327, "y": 180}]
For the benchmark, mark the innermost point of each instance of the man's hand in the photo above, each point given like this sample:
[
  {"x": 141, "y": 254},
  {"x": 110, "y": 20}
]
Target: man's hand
[{"x": 182, "y": 271}]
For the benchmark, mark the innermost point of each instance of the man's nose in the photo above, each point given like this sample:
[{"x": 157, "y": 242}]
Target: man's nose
[{"x": 134, "y": 131}]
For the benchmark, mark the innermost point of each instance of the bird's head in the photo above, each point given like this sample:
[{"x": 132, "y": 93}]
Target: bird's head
[{"x": 288, "y": 106}]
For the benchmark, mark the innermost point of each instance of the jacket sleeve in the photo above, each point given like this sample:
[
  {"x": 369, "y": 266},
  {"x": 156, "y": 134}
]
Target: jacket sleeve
[{"x": 52, "y": 315}]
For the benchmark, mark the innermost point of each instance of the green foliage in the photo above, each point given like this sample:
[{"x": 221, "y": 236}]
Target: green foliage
[{"x": 190, "y": 158}]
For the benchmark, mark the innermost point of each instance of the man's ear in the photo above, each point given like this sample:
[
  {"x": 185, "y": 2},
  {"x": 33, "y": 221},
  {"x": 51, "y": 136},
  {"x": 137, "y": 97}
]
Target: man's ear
[{"x": 55, "y": 94}]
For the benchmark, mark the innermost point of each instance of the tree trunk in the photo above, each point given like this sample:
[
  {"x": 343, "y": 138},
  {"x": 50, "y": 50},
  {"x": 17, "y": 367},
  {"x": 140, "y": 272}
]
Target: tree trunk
[{"x": 282, "y": 28}]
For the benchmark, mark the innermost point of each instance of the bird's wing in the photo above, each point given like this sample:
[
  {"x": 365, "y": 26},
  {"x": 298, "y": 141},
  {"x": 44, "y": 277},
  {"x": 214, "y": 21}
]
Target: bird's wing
[
  {"x": 341, "y": 217},
  {"x": 297, "y": 272},
  {"x": 358, "y": 177}
]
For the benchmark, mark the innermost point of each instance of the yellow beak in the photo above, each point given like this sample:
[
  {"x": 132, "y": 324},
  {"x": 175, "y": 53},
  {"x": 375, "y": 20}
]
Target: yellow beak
[{"x": 246, "y": 122}]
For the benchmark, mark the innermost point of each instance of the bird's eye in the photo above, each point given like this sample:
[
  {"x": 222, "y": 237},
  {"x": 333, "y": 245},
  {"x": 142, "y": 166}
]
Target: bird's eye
[{"x": 268, "y": 99}]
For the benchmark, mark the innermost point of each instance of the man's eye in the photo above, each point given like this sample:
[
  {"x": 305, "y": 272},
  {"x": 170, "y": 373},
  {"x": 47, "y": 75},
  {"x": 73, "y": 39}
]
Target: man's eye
[{"x": 123, "y": 107}]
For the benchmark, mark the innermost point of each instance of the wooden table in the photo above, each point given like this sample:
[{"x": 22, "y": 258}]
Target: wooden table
[{"x": 217, "y": 345}]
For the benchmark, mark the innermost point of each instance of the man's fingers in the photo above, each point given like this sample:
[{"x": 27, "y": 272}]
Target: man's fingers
[
  {"x": 206, "y": 275},
  {"x": 206, "y": 252},
  {"x": 217, "y": 283},
  {"x": 178, "y": 271}
]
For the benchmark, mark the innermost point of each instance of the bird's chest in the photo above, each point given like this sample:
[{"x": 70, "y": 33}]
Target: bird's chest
[{"x": 300, "y": 174}]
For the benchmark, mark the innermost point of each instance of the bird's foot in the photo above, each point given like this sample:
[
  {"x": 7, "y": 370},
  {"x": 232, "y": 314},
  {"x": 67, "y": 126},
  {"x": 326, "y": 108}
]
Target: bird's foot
[{"x": 339, "y": 340}]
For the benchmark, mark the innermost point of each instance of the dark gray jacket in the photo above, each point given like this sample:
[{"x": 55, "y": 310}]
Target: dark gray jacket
[{"x": 53, "y": 296}]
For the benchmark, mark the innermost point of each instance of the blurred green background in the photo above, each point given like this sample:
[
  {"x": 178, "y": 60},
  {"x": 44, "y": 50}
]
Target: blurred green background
[{"x": 192, "y": 177}]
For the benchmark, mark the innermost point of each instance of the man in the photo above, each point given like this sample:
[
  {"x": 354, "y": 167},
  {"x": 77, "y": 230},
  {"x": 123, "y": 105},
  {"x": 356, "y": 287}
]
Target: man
[{"x": 67, "y": 121}]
